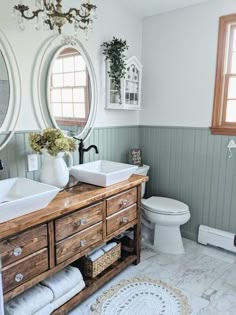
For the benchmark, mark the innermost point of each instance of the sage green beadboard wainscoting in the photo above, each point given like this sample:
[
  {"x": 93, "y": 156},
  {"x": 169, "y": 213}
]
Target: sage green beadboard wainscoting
[
  {"x": 188, "y": 164},
  {"x": 113, "y": 143},
  {"x": 192, "y": 165}
]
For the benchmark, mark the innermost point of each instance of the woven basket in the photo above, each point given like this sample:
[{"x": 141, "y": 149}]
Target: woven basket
[{"x": 94, "y": 268}]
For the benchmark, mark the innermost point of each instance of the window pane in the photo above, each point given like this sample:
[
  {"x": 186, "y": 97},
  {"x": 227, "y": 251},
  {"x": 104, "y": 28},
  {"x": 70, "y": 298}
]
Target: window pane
[
  {"x": 68, "y": 64},
  {"x": 56, "y": 96},
  {"x": 79, "y": 110},
  {"x": 79, "y": 63},
  {"x": 79, "y": 95},
  {"x": 67, "y": 110},
  {"x": 57, "y": 66},
  {"x": 234, "y": 41},
  {"x": 57, "y": 109},
  {"x": 232, "y": 88},
  {"x": 57, "y": 80},
  {"x": 67, "y": 95},
  {"x": 69, "y": 79},
  {"x": 233, "y": 63},
  {"x": 80, "y": 78},
  {"x": 231, "y": 111}
]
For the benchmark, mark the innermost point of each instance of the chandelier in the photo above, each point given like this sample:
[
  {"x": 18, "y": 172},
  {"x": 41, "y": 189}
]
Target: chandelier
[{"x": 49, "y": 13}]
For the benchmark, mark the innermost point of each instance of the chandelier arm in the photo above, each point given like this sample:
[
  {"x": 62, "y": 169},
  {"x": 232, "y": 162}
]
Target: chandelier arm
[
  {"x": 22, "y": 9},
  {"x": 77, "y": 12}
]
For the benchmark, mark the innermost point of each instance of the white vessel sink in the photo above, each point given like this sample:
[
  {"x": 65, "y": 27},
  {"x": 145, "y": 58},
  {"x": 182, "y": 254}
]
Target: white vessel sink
[
  {"x": 19, "y": 196},
  {"x": 103, "y": 173}
]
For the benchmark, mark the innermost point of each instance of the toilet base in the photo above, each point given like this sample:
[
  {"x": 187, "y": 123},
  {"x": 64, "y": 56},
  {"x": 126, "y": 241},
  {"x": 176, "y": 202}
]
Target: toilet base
[{"x": 168, "y": 239}]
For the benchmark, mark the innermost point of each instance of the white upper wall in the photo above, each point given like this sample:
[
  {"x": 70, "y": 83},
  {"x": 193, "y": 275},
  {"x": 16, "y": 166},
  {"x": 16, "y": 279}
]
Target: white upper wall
[
  {"x": 179, "y": 58},
  {"x": 144, "y": 8},
  {"x": 113, "y": 20}
]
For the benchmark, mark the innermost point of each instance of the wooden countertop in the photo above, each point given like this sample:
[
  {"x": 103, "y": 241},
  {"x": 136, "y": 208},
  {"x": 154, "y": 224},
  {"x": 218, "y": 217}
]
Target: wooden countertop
[{"x": 67, "y": 201}]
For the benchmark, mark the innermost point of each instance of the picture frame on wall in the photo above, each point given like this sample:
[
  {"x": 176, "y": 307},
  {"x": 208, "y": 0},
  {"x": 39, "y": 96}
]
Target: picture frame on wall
[{"x": 136, "y": 157}]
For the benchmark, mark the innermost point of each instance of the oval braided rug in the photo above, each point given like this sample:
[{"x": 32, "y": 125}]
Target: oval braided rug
[{"x": 141, "y": 296}]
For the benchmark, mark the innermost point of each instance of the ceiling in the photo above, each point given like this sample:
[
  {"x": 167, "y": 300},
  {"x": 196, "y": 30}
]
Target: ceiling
[{"x": 145, "y": 8}]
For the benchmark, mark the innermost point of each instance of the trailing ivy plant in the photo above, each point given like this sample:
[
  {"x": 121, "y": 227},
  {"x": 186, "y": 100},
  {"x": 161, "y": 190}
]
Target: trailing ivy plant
[{"x": 114, "y": 52}]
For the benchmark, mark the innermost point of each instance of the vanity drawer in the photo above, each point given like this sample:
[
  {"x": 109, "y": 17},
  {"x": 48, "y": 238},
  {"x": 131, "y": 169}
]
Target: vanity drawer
[
  {"x": 121, "y": 201},
  {"x": 120, "y": 219},
  {"x": 24, "y": 270},
  {"x": 78, "y": 221},
  {"x": 23, "y": 244},
  {"x": 78, "y": 242}
]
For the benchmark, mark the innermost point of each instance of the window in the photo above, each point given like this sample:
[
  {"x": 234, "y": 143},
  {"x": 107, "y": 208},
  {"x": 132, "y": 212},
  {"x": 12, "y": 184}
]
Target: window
[
  {"x": 70, "y": 85},
  {"x": 224, "y": 112}
]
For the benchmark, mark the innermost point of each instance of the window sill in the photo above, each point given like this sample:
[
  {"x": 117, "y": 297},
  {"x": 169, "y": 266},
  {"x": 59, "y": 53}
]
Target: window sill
[{"x": 227, "y": 131}]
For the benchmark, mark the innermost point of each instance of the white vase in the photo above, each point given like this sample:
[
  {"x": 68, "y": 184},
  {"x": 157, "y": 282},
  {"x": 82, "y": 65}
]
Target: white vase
[{"x": 54, "y": 170}]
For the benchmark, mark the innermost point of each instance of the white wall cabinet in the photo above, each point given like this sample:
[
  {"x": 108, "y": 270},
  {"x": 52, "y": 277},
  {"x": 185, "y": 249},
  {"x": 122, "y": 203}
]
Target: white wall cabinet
[{"x": 131, "y": 87}]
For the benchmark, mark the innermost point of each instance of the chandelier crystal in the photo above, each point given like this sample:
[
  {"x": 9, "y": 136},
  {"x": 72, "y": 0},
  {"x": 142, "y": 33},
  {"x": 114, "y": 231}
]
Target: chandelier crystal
[{"x": 49, "y": 13}]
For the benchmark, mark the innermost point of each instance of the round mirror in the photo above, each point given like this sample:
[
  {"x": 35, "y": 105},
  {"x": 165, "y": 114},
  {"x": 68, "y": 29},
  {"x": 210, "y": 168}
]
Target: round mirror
[
  {"x": 68, "y": 101},
  {"x": 69, "y": 91},
  {"x": 4, "y": 89},
  {"x": 10, "y": 89}
]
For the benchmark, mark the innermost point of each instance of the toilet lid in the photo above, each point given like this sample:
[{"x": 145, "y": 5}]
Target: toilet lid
[{"x": 165, "y": 205}]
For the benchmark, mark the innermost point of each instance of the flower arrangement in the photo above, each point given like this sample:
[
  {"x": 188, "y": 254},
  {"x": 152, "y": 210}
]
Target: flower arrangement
[
  {"x": 52, "y": 140},
  {"x": 114, "y": 52}
]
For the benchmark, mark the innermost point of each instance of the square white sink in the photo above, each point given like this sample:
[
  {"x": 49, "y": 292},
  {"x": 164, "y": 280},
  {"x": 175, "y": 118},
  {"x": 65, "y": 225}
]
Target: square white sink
[
  {"x": 19, "y": 196},
  {"x": 103, "y": 173}
]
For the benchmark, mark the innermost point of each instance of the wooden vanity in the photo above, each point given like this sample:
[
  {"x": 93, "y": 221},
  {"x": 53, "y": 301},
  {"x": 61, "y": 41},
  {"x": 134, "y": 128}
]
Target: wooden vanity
[{"x": 78, "y": 220}]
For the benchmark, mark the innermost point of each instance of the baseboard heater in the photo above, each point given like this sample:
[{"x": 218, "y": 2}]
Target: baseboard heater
[{"x": 210, "y": 236}]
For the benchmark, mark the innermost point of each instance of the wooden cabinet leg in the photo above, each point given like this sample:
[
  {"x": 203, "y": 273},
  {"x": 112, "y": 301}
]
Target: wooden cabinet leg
[{"x": 137, "y": 229}]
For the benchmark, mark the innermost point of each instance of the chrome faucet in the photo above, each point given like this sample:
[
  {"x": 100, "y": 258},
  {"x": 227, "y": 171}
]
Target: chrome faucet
[
  {"x": 1, "y": 165},
  {"x": 82, "y": 150}
]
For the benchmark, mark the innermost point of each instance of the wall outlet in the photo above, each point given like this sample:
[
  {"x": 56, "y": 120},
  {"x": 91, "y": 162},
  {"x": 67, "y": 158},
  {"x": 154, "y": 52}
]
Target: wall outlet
[{"x": 33, "y": 163}]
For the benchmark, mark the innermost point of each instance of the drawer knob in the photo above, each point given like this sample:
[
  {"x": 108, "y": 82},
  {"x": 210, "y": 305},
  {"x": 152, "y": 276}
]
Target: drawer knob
[
  {"x": 124, "y": 202},
  {"x": 83, "y": 243},
  {"x": 83, "y": 222},
  {"x": 124, "y": 220},
  {"x": 19, "y": 277},
  {"x": 17, "y": 251}
]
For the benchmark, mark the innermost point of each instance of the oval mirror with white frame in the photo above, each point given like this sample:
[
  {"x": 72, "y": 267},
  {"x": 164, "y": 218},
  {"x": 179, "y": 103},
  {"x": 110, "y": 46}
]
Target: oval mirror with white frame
[
  {"x": 68, "y": 102},
  {"x": 10, "y": 91}
]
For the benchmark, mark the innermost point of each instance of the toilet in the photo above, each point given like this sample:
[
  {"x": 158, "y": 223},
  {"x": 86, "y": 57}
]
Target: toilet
[{"x": 163, "y": 218}]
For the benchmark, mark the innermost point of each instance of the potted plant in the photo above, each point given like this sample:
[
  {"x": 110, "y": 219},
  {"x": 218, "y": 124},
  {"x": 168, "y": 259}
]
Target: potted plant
[
  {"x": 53, "y": 145},
  {"x": 114, "y": 52}
]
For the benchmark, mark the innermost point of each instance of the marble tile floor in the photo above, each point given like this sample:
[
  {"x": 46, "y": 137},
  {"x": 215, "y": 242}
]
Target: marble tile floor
[{"x": 206, "y": 275}]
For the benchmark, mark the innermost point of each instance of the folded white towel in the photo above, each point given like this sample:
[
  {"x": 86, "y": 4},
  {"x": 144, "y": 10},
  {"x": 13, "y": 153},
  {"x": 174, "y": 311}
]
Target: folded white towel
[
  {"x": 94, "y": 250},
  {"x": 63, "y": 281},
  {"x": 30, "y": 301},
  {"x": 47, "y": 310},
  {"x": 109, "y": 247},
  {"x": 99, "y": 253}
]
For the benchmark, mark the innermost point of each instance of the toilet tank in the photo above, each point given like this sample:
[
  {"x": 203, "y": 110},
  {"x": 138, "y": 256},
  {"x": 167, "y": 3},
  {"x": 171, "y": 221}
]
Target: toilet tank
[{"x": 143, "y": 170}]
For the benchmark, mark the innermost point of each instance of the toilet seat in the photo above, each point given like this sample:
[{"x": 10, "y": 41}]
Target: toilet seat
[{"x": 165, "y": 206}]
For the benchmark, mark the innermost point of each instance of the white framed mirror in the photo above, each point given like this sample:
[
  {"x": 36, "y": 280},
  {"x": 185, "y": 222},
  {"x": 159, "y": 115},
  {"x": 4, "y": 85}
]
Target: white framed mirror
[
  {"x": 10, "y": 91},
  {"x": 65, "y": 88}
]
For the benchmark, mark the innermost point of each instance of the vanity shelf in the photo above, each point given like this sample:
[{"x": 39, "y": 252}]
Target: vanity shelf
[
  {"x": 94, "y": 284},
  {"x": 77, "y": 221}
]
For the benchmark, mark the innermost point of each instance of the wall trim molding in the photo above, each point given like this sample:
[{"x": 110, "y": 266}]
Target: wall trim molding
[{"x": 174, "y": 127}]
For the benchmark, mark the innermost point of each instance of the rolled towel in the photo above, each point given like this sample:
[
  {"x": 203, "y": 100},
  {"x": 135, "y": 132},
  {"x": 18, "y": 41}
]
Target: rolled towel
[
  {"x": 63, "y": 281},
  {"x": 109, "y": 247},
  {"x": 99, "y": 253},
  {"x": 47, "y": 310},
  {"x": 30, "y": 301}
]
